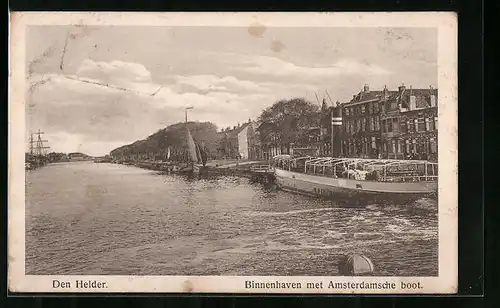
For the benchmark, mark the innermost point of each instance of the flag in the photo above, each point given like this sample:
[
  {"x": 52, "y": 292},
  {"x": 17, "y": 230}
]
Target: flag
[{"x": 336, "y": 121}]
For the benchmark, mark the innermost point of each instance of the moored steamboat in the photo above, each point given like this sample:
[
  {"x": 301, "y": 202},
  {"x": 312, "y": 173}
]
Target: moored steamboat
[{"x": 356, "y": 178}]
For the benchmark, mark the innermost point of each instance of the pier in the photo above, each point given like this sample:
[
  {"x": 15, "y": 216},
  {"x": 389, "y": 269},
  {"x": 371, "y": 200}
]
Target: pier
[{"x": 256, "y": 171}]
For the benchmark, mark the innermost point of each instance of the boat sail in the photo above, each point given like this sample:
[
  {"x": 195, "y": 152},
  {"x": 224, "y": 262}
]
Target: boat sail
[{"x": 193, "y": 156}]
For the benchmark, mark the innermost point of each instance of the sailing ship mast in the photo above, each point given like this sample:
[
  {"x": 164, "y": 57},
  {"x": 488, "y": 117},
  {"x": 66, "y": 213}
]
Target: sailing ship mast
[{"x": 38, "y": 150}]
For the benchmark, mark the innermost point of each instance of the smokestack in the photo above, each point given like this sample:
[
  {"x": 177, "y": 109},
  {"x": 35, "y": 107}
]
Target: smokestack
[{"x": 366, "y": 88}]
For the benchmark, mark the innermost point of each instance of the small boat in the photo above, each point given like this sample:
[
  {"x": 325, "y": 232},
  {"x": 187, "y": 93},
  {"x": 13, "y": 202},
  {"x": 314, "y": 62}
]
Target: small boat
[{"x": 357, "y": 178}]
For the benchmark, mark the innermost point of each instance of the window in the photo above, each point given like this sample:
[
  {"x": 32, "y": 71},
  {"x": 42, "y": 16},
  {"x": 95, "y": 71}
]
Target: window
[
  {"x": 393, "y": 150},
  {"x": 421, "y": 147},
  {"x": 395, "y": 125},
  {"x": 375, "y": 107},
  {"x": 363, "y": 124},
  {"x": 374, "y": 143},
  {"x": 389, "y": 125},
  {"x": 436, "y": 123},
  {"x": 363, "y": 109},
  {"x": 427, "y": 126},
  {"x": 421, "y": 124},
  {"x": 407, "y": 143},
  {"x": 416, "y": 124},
  {"x": 370, "y": 108},
  {"x": 372, "y": 124},
  {"x": 377, "y": 123},
  {"x": 399, "y": 145},
  {"x": 382, "y": 108},
  {"x": 402, "y": 127},
  {"x": 433, "y": 145},
  {"x": 358, "y": 125},
  {"x": 347, "y": 111},
  {"x": 413, "y": 103},
  {"x": 414, "y": 147},
  {"x": 431, "y": 124}
]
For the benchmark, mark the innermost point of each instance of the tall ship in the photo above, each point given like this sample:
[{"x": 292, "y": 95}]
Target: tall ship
[{"x": 37, "y": 156}]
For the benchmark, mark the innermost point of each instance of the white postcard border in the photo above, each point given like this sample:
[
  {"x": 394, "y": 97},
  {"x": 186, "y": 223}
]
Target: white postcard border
[{"x": 446, "y": 23}]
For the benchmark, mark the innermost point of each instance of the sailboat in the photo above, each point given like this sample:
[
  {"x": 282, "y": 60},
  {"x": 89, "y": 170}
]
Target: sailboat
[{"x": 193, "y": 154}]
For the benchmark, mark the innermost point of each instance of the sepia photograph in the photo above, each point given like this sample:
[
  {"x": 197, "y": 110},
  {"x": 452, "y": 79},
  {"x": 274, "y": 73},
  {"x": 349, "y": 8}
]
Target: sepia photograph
[{"x": 245, "y": 152}]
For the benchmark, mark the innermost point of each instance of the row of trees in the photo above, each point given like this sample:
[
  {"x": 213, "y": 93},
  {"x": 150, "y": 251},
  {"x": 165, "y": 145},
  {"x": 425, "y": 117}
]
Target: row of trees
[
  {"x": 284, "y": 123},
  {"x": 175, "y": 137},
  {"x": 288, "y": 122}
]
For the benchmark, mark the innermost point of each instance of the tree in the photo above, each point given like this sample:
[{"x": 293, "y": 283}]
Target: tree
[
  {"x": 287, "y": 121},
  {"x": 175, "y": 137}
]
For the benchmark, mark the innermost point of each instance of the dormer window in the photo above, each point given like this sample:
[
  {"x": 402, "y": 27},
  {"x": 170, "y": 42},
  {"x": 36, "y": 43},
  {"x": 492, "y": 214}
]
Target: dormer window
[
  {"x": 433, "y": 100},
  {"x": 413, "y": 102}
]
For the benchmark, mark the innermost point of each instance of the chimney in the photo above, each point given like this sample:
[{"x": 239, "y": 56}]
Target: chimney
[
  {"x": 366, "y": 88},
  {"x": 401, "y": 88},
  {"x": 385, "y": 92}
]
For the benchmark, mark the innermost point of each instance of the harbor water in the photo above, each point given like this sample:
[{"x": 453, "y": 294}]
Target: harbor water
[{"x": 84, "y": 218}]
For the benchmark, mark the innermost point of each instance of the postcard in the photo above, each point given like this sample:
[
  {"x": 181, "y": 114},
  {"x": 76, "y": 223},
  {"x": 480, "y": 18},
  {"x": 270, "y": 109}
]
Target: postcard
[{"x": 254, "y": 153}]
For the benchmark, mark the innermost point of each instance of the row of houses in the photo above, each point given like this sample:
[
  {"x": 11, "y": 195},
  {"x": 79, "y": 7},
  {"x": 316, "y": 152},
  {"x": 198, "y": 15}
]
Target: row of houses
[
  {"x": 394, "y": 124},
  {"x": 400, "y": 124}
]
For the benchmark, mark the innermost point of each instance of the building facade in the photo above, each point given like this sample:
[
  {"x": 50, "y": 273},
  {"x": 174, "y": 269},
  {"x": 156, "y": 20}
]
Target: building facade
[
  {"x": 361, "y": 125},
  {"x": 398, "y": 124},
  {"x": 409, "y": 124},
  {"x": 241, "y": 142}
]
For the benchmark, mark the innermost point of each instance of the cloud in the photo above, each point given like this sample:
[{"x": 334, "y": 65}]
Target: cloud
[
  {"x": 216, "y": 83},
  {"x": 93, "y": 114},
  {"x": 264, "y": 65},
  {"x": 114, "y": 70}
]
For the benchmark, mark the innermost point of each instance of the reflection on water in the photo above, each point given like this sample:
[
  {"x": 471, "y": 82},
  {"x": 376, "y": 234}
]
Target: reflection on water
[{"x": 98, "y": 219}]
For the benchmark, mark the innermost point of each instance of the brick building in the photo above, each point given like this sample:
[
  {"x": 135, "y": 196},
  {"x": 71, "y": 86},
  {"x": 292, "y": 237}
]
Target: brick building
[
  {"x": 361, "y": 127},
  {"x": 398, "y": 124},
  {"x": 409, "y": 124}
]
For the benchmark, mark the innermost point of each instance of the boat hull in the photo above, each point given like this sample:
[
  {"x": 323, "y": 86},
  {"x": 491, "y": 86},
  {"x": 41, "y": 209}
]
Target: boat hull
[{"x": 353, "y": 191}]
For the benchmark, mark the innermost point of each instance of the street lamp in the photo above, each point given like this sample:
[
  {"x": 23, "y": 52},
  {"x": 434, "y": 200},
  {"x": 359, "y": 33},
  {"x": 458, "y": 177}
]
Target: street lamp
[{"x": 186, "y": 113}]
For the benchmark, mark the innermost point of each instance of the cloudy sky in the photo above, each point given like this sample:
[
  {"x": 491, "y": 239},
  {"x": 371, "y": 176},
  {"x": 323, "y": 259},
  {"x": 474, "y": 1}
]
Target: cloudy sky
[{"x": 92, "y": 89}]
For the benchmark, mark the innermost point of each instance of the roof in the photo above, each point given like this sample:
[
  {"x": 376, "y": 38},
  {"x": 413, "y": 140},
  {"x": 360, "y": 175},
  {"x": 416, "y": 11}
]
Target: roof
[
  {"x": 422, "y": 97},
  {"x": 235, "y": 131},
  {"x": 364, "y": 96}
]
